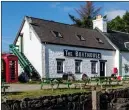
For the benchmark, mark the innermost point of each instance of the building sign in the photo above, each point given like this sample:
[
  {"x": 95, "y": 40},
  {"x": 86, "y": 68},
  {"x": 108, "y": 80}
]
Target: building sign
[{"x": 83, "y": 54}]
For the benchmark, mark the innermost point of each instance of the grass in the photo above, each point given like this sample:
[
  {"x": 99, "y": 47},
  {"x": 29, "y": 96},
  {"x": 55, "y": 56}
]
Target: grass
[{"x": 45, "y": 92}]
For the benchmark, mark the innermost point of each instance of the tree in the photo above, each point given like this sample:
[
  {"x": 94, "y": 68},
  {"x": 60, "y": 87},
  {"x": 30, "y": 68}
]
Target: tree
[
  {"x": 120, "y": 24},
  {"x": 126, "y": 20},
  {"x": 87, "y": 13}
]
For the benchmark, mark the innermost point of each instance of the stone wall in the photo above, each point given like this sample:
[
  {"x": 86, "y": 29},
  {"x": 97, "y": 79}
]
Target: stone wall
[
  {"x": 77, "y": 101},
  {"x": 109, "y": 100},
  {"x": 115, "y": 99}
]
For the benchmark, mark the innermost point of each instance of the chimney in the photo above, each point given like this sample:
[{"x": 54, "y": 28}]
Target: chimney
[{"x": 100, "y": 23}]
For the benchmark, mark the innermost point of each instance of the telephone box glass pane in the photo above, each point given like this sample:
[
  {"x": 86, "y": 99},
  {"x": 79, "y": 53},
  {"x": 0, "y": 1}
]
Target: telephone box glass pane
[{"x": 12, "y": 65}]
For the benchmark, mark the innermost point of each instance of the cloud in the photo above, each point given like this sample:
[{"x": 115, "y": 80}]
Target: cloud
[
  {"x": 58, "y": 6},
  {"x": 55, "y": 4},
  {"x": 114, "y": 13}
]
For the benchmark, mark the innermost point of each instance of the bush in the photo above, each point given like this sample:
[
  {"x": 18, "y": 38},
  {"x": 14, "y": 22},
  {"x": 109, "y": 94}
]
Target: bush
[{"x": 23, "y": 77}]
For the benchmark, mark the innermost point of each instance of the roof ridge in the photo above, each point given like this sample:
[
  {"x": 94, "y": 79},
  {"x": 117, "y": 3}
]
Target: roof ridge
[{"x": 58, "y": 22}]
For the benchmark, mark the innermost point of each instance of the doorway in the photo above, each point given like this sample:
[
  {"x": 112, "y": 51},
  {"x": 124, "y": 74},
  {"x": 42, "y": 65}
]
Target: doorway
[{"x": 102, "y": 68}]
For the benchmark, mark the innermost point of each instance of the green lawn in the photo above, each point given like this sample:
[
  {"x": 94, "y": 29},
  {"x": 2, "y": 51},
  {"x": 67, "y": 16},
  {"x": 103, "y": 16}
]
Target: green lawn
[{"x": 45, "y": 92}]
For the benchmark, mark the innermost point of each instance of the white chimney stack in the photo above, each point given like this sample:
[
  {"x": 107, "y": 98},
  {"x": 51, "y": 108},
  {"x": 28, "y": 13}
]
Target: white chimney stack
[{"x": 100, "y": 23}]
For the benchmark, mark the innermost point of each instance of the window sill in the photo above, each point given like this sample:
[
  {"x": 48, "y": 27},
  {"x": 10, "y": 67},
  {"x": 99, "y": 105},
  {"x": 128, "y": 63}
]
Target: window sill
[
  {"x": 60, "y": 72},
  {"x": 77, "y": 72},
  {"x": 94, "y": 73}
]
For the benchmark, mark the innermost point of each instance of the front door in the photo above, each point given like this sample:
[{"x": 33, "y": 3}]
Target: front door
[{"x": 102, "y": 68}]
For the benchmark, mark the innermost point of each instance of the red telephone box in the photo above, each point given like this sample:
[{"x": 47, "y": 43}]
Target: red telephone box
[{"x": 10, "y": 68}]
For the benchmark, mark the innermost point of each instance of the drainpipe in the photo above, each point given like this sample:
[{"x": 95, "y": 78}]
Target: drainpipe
[{"x": 120, "y": 64}]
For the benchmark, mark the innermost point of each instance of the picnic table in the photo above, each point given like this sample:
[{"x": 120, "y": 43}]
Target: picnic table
[
  {"x": 102, "y": 79},
  {"x": 81, "y": 83},
  {"x": 125, "y": 79},
  {"x": 59, "y": 81},
  {"x": 55, "y": 81}
]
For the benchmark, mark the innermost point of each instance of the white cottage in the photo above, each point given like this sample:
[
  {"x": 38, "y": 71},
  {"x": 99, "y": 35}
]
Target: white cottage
[
  {"x": 120, "y": 41},
  {"x": 54, "y": 48}
]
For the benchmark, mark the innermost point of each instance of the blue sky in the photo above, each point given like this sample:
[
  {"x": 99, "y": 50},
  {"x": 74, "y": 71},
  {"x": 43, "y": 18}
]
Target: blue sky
[{"x": 14, "y": 12}]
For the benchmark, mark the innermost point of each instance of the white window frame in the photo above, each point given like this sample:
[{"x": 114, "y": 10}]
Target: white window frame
[
  {"x": 94, "y": 72},
  {"x": 62, "y": 61},
  {"x": 80, "y": 61}
]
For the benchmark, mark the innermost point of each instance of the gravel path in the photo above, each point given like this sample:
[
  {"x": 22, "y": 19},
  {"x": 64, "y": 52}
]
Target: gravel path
[
  {"x": 27, "y": 87},
  {"x": 23, "y": 87}
]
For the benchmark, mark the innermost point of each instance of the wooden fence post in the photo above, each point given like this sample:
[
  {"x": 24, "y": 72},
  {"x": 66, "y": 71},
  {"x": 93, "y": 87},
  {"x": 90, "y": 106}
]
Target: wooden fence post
[{"x": 95, "y": 99}]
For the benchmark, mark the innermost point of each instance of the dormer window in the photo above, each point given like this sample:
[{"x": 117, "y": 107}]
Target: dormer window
[
  {"x": 80, "y": 37},
  {"x": 126, "y": 45},
  {"x": 57, "y": 34},
  {"x": 99, "y": 40}
]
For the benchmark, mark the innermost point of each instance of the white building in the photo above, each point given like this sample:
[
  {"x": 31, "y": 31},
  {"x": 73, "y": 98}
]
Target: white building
[
  {"x": 120, "y": 41},
  {"x": 55, "y": 48}
]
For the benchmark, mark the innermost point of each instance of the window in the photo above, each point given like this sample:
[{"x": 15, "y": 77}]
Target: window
[
  {"x": 80, "y": 37},
  {"x": 60, "y": 65},
  {"x": 93, "y": 67},
  {"x": 57, "y": 34},
  {"x": 77, "y": 66},
  {"x": 126, "y": 45},
  {"x": 99, "y": 40}
]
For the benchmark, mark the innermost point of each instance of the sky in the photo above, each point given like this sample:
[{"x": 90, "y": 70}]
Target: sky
[{"x": 14, "y": 12}]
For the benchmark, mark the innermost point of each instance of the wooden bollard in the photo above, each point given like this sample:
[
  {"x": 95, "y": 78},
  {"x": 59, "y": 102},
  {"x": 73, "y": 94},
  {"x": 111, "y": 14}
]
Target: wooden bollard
[{"x": 95, "y": 99}]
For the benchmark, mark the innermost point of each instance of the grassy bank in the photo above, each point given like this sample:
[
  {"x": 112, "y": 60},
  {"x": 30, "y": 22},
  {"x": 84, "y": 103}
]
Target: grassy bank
[{"x": 45, "y": 92}]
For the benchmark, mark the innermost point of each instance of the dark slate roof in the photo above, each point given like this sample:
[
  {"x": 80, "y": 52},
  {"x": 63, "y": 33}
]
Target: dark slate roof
[
  {"x": 43, "y": 29},
  {"x": 118, "y": 38}
]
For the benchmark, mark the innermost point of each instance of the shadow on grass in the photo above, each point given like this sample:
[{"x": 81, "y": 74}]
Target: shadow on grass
[
  {"x": 13, "y": 93},
  {"x": 113, "y": 85}
]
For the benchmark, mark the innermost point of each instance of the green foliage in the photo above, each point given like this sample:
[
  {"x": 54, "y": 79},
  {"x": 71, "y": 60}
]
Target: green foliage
[
  {"x": 87, "y": 13},
  {"x": 120, "y": 24}
]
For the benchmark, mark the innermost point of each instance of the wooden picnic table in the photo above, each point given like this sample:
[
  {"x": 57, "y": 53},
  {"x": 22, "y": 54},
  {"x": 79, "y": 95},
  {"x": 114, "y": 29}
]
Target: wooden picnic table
[
  {"x": 101, "y": 79},
  {"x": 125, "y": 79},
  {"x": 59, "y": 81},
  {"x": 80, "y": 83},
  {"x": 55, "y": 81}
]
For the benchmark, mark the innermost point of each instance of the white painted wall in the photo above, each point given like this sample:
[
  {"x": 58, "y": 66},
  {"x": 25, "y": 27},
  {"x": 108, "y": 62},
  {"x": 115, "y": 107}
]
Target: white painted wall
[
  {"x": 125, "y": 60},
  {"x": 20, "y": 69},
  {"x": 32, "y": 48},
  {"x": 117, "y": 61},
  {"x": 56, "y": 51}
]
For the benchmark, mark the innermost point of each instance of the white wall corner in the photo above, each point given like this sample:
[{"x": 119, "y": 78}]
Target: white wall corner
[{"x": 43, "y": 61}]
